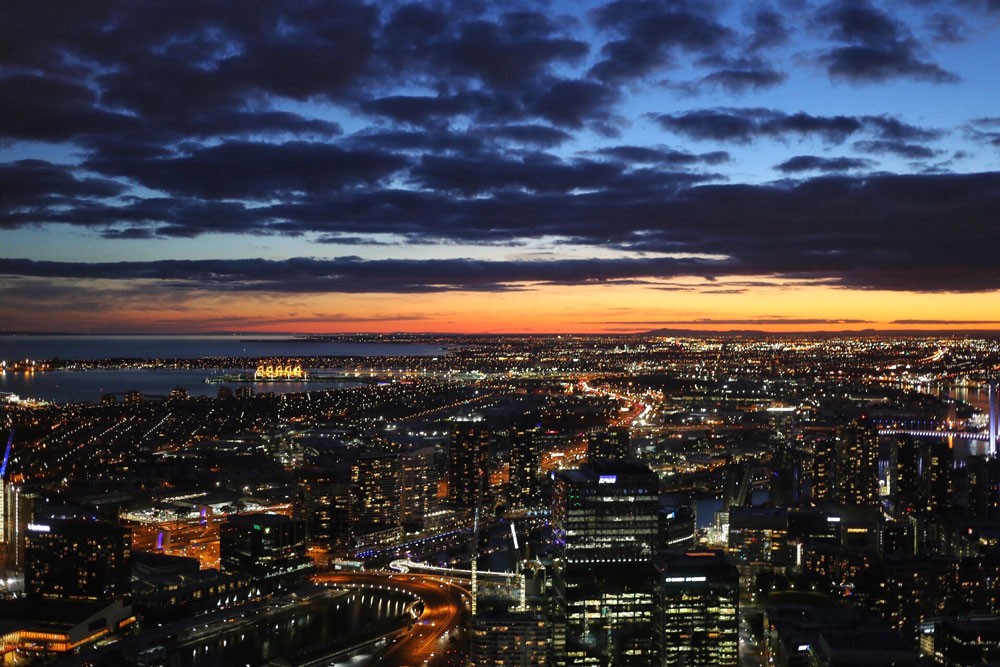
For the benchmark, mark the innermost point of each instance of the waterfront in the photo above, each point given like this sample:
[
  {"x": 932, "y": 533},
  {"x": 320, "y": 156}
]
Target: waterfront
[
  {"x": 68, "y": 386},
  {"x": 90, "y": 385},
  {"x": 324, "y": 622}
]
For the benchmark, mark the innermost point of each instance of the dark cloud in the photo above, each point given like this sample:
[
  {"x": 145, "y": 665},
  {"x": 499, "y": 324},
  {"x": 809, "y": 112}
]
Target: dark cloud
[
  {"x": 662, "y": 156},
  {"x": 888, "y": 127},
  {"x": 744, "y": 125},
  {"x": 742, "y": 80},
  {"x": 947, "y": 27},
  {"x": 50, "y": 109},
  {"x": 537, "y": 135},
  {"x": 30, "y": 190},
  {"x": 801, "y": 163},
  {"x": 572, "y": 103},
  {"x": 346, "y": 274},
  {"x": 648, "y": 34},
  {"x": 985, "y": 131},
  {"x": 873, "y": 46},
  {"x": 872, "y": 232},
  {"x": 254, "y": 170},
  {"x": 769, "y": 29},
  {"x": 899, "y": 148}
]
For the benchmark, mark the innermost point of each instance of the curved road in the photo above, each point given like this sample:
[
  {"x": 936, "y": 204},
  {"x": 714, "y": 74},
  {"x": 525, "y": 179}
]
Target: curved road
[{"x": 427, "y": 641}]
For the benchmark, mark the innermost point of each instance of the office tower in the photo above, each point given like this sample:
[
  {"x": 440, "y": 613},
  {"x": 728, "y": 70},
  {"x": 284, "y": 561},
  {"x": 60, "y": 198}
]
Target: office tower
[
  {"x": 696, "y": 620},
  {"x": 605, "y": 525},
  {"x": 983, "y": 490},
  {"x": 418, "y": 486},
  {"x": 525, "y": 465},
  {"x": 786, "y": 476},
  {"x": 326, "y": 504},
  {"x": 824, "y": 468},
  {"x": 78, "y": 560},
  {"x": 677, "y": 526},
  {"x": 608, "y": 443},
  {"x": 468, "y": 453},
  {"x": 906, "y": 487},
  {"x": 857, "y": 463},
  {"x": 938, "y": 467},
  {"x": 759, "y": 535},
  {"x": 375, "y": 482},
  {"x": 268, "y": 548},
  {"x": 502, "y": 635}
]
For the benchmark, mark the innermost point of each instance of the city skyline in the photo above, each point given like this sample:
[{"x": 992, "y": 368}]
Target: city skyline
[{"x": 524, "y": 167}]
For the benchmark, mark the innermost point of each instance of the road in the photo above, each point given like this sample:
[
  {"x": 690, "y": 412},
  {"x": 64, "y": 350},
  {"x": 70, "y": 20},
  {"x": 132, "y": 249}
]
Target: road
[{"x": 433, "y": 638}]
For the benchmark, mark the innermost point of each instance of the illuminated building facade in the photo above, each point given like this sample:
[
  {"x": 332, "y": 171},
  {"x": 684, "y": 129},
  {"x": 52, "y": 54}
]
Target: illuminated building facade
[
  {"x": 857, "y": 464},
  {"x": 502, "y": 636},
  {"x": 268, "y": 548},
  {"x": 606, "y": 528},
  {"x": 525, "y": 464},
  {"x": 418, "y": 485},
  {"x": 468, "y": 455},
  {"x": 759, "y": 536},
  {"x": 375, "y": 483},
  {"x": 78, "y": 560},
  {"x": 823, "y": 468},
  {"x": 696, "y": 620},
  {"x": 608, "y": 443}
]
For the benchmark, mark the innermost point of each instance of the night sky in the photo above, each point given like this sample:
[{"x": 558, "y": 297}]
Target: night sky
[{"x": 199, "y": 165}]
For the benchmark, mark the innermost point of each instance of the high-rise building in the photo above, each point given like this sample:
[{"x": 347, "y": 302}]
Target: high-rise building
[
  {"x": 983, "y": 492},
  {"x": 857, "y": 463},
  {"x": 501, "y": 635},
  {"x": 605, "y": 524},
  {"x": 938, "y": 467},
  {"x": 608, "y": 443},
  {"x": 786, "y": 475},
  {"x": 468, "y": 455},
  {"x": 760, "y": 536},
  {"x": 78, "y": 560},
  {"x": 525, "y": 466},
  {"x": 268, "y": 548},
  {"x": 325, "y": 504},
  {"x": 375, "y": 482},
  {"x": 418, "y": 486},
  {"x": 696, "y": 620},
  {"x": 823, "y": 468},
  {"x": 906, "y": 487}
]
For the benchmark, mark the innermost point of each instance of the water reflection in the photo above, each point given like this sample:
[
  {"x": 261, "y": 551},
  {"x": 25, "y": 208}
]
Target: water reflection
[{"x": 310, "y": 629}]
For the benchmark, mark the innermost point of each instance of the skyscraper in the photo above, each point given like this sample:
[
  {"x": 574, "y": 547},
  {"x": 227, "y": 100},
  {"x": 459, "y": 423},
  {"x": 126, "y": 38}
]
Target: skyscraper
[
  {"x": 605, "y": 531},
  {"x": 375, "y": 483},
  {"x": 418, "y": 482},
  {"x": 78, "y": 560},
  {"x": 608, "y": 443},
  {"x": 525, "y": 461},
  {"x": 857, "y": 463},
  {"x": 696, "y": 618},
  {"x": 468, "y": 454}
]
